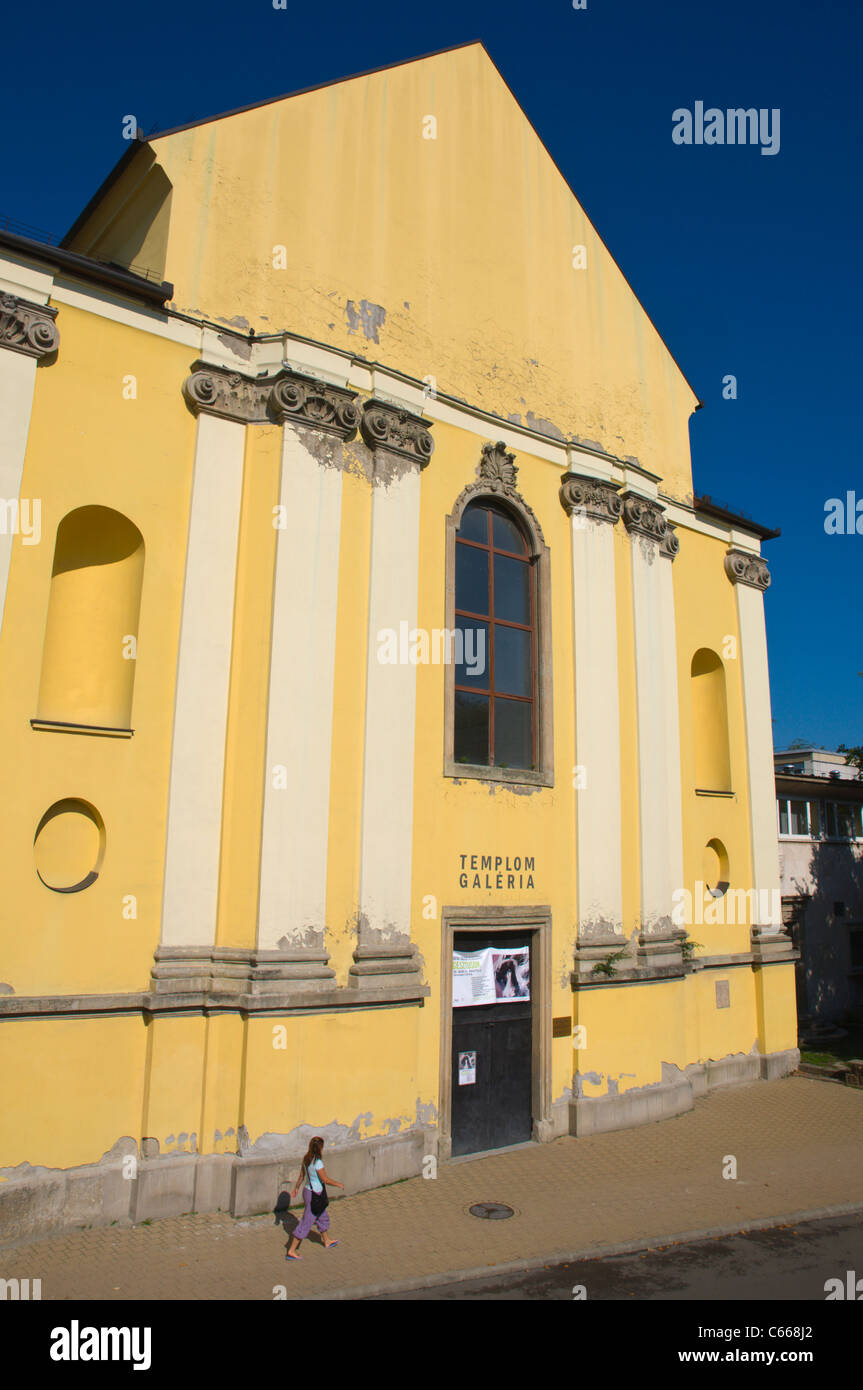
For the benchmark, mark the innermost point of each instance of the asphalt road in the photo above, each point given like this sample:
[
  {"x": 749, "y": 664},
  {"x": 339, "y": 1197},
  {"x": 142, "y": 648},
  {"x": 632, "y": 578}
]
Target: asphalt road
[{"x": 784, "y": 1262}]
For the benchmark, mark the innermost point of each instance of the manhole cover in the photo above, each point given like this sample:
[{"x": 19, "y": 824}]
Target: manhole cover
[{"x": 491, "y": 1211}]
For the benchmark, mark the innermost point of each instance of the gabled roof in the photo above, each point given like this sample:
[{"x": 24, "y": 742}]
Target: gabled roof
[{"x": 130, "y": 153}]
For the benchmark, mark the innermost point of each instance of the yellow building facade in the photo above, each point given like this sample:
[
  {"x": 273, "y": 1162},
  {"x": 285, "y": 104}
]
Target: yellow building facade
[{"x": 316, "y": 402}]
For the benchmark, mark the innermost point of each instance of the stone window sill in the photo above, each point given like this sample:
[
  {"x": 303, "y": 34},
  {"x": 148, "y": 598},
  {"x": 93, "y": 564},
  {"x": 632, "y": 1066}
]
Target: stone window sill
[{"x": 514, "y": 775}]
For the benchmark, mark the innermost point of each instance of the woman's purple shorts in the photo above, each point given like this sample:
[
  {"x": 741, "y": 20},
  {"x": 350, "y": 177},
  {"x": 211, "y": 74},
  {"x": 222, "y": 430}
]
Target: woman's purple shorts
[{"x": 308, "y": 1219}]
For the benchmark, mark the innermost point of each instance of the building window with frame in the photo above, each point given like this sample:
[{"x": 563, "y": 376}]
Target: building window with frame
[
  {"x": 499, "y": 685},
  {"x": 495, "y": 627},
  {"x": 843, "y": 820},
  {"x": 815, "y": 820}
]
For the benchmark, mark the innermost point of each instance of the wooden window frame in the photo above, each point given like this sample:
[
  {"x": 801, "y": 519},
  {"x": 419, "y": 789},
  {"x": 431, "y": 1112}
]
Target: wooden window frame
[{"x": 542, "y": 775}]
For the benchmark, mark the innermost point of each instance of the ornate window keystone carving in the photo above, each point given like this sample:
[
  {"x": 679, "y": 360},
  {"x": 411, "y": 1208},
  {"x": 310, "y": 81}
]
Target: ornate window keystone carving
[
  {"x": 26, "y": 327},
  {"x": 304, "y": 400},
  {"x": 385, "y": 426},
  {"x": 644, "y": 517},
  {"x": 743, "y": 568},
  {"x": 496, "y": 474},
  {"x": 497, "y": 466},
  {"x": 229, "y": 394},
  {"x": 592, "y": 497}
]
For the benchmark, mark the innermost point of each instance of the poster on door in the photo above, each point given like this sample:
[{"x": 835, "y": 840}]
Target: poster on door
[
  {"x": 490, "y": 976},
  {"x": 467, "y": 1068}
]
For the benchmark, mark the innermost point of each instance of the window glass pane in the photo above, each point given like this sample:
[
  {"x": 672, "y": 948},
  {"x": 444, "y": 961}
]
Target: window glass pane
[
  {"x": 473, "y": 648},
  {"x": 858, "y": 821},
  {"x": 830, "y": 808},
  {"x": 471, "y": 579},
  {"x": 799, "y": 825},
  {"x": 511, "y": 589},
  {"x": 506, "y": 534},
  {"x": 513, "y": 742},
  {"x": 512, "y": 660},
  {"x": 815, "y": 818},
  {"x": 471, "y": 728},
  {"x": 844, "y": 820},
  {"x": 783, "y": 818},
  {"x": 474, "y": 524}
]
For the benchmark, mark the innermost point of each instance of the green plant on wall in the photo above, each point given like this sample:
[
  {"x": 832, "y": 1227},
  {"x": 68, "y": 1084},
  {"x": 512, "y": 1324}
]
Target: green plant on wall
[
  {"x": 688, "y": 948},
  {"x": 606, "y": 966}
]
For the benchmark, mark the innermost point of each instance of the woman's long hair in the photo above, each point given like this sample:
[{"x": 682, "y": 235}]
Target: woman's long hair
[{"x": 313, "y": 1152}]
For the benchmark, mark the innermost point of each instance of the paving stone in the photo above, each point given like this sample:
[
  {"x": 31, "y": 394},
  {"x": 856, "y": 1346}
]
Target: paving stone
[{"x": 797, "y": 1143}]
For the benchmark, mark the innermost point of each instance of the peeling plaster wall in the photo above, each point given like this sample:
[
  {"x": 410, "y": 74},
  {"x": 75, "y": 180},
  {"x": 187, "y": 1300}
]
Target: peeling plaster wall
[{"x": 419, "y": 260}]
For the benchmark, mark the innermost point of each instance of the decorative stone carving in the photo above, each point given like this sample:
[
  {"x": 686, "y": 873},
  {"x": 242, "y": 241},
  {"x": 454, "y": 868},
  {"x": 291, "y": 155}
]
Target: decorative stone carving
[
  {"x": 670, "y": 544},
  {"x": 305, "y": 401},
  {"x": 743, "y": 568},
  {"x": 496, "y": 474},
  {"x": 644, "y": 517},
  {"x": 592, "y": 497},
  {"x": 386, "y": 426},
  {"x": 26, "y": 327},
  {"x": 229, "y": 394},
  {"x": 497, "y": 467}
]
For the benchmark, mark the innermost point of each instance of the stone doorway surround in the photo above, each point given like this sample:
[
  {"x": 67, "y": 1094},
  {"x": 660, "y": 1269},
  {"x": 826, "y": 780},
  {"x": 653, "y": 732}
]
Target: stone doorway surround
[{"x": 496, "y": 920}]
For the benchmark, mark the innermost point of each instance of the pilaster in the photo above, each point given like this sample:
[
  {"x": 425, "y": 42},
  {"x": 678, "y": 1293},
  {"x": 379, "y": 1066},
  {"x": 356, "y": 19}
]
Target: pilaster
[{"x": 402, "y": 446}]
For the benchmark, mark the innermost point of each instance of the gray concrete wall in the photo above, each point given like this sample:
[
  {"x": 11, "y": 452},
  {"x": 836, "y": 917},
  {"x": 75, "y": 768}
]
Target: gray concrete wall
[{"x": 43, "y": 1201}]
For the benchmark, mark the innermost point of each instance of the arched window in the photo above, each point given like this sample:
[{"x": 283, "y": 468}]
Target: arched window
[
  {"x": 88, "y": 660},
  {"x": 499, "y": 699},
  {"x": 710, "y": 722}
]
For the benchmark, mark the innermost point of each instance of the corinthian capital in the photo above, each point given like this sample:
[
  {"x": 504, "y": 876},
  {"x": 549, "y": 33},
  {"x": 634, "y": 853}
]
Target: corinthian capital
[
  {"x": 644, "y": 517},
  {"x": 670, "y": 544},
  {"x": 229, "y": 394},
  {"x": 385, "y": 426},
  {"x": 592, "y": 497},
  {"x": 26, "y": 327},
  {"x": 743, "y": 568},
  {"x": 303, "y": 400}
]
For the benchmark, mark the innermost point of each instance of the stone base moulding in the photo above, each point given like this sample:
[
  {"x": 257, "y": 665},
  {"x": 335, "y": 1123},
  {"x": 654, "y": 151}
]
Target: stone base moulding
[
  {"x": 54, "y": 1200},
  {"x": 650, "y": 956},
  {"x": 209, "y": 969},
  {"x": 676, "y": 1093},
  {"x": 395, "y": 965}
]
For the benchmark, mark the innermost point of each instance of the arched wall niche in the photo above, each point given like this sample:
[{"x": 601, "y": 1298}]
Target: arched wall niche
[
  {"x": 88, "y": 658},
  {"x": 710, "y": 722}
]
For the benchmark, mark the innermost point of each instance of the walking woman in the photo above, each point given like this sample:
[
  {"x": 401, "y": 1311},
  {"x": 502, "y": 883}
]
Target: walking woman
[{"x": 313, "y": 1175}]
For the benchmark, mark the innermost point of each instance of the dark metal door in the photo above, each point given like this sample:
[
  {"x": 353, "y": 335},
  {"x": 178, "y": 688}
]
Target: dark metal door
[{"x": 493, "y": 1109}]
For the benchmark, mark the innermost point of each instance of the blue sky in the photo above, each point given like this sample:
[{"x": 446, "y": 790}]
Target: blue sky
[{"x": 748, "y": 264}]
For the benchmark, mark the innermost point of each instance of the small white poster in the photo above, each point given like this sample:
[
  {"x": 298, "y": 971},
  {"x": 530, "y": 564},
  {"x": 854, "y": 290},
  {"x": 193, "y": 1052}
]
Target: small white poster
[
  {"x": 490, "y": 976},
  {"x": 467, "y": 1068}
]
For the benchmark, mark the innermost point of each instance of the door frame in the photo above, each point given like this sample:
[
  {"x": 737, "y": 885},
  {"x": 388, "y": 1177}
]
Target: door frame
[{"x": 537, "y": 921}]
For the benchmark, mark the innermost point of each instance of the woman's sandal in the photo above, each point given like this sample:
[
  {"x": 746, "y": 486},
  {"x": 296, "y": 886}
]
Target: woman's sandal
[{"x": 289, "y": 1256}]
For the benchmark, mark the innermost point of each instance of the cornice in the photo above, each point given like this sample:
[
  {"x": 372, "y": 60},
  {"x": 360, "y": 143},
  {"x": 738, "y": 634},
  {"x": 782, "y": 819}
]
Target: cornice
[
  {"x": 743, "y": 568},
  {"x": 26, "y": 327},
  {"x": 595, "y": 498},
  {"x": 385, "y": 426}
]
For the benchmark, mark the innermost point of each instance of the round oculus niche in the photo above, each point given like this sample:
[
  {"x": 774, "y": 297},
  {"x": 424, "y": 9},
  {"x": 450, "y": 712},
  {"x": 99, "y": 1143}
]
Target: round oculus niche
[
  {"x": 69, "y": 846},
  {"x": 715, "y": 868}
]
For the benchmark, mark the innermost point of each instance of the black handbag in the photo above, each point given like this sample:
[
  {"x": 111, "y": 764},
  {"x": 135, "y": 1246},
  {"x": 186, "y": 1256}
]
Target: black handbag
[{"x": 320, "y": 1201}]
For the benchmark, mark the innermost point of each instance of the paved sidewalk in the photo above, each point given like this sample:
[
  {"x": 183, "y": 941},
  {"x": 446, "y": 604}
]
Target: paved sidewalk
[{"x": 798, "y": 1145}]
